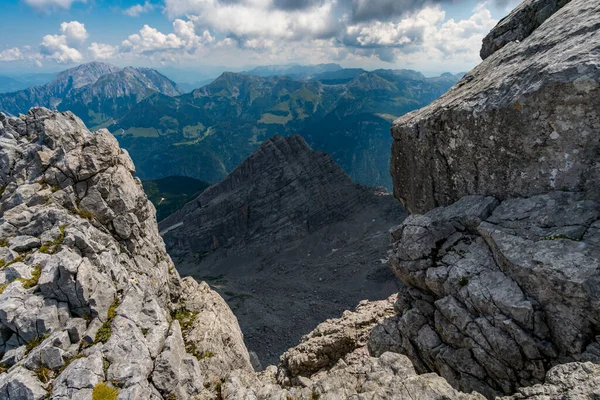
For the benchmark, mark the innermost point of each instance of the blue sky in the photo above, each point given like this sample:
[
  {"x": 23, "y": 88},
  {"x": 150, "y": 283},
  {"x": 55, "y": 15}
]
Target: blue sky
[{"x": 431, "y": 36}]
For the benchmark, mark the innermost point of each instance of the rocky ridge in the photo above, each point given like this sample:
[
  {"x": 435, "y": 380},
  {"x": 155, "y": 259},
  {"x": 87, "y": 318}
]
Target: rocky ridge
[
  {"x": 90, "y": 300},
  {"x": 501, "y": 293},
  {"x": 96, "y": 92}
]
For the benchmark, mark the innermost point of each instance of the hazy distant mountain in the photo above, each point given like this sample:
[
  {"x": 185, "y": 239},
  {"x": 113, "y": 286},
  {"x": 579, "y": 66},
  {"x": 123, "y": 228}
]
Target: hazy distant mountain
[
  {"x": 13, "y": 83},
  {"x": 96, "y": 92},
  {"x": 188, "y": 87},
  {"x": 293, "y": 70},
  {"x": 205, "y": 134}
]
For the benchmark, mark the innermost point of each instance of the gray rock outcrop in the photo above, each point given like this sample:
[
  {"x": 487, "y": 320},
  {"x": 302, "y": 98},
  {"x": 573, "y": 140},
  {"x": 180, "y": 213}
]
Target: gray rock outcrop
[
  {"x": 497, "y": 292},
  {"x": 519, "y": 24},
  {"x": 523, "y": 122},
  {"x": 89, "y": 298}
]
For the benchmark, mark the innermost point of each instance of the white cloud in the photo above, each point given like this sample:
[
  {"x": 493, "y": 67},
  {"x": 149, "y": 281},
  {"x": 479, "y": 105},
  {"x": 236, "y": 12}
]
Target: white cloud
[
  {"x": 74, "y": 32},
  {"x": 464, "y": 36},
  {"x": 149, "y": 41},
  {"x": 13, "y": 54},
  {"x": 100, "y": 51},
  {"x": 64, "y": 48},
  {"x": 408, "y": 31},
  {"x": 258, "y": 19},
  {"x": 47, "y": 6},
  {"x": 139, "y": 9}
]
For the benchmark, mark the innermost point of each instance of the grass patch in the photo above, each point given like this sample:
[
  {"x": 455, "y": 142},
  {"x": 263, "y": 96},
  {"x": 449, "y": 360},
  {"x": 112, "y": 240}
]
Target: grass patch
[
  {"x": 3, "y": 287},
  {"x": 19, "y": 258},
  {"x": 104, "y": 392},
  {"x": 85, "y": 214},
  {"x": 185, "y": 317},
  {"x": 105, "y": 330},
  {"x": 52, "y": 247},
  {"x": 559, "y": 236},
  {"x": 463, "y": 281},
  {"x": 269, "y": 119},
  {"x": 44, "y": 374},
  {"x": 35, "y": 277},
  {"x": 3, "y": 242}
]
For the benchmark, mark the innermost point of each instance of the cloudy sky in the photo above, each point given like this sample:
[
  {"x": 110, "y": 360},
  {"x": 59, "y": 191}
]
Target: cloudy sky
[{"x": 427, "y": 35}]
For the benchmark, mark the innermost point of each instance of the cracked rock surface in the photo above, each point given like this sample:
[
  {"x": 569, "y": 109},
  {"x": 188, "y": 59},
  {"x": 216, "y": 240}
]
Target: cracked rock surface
[
  {"x": 88, "y": 294},
  {"x": 497, "y": 292}
]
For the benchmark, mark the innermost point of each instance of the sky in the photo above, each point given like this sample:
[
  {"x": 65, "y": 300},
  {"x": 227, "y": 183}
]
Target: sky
[{"x": 431, "y": 36}]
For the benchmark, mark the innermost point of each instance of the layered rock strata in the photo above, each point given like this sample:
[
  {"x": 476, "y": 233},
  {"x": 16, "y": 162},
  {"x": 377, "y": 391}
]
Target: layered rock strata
[{"x": 289, "y": 241}]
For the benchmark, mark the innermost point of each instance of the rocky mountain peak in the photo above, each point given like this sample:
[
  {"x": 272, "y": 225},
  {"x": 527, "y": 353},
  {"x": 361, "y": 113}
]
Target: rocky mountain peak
[
  {"x": 283, "y": 191},
  {"x": 83, "y": 74}
]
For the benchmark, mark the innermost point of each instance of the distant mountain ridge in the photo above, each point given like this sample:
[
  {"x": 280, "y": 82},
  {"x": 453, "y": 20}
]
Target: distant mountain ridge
[
  {"x": 97, "y": 92},
  {"x": 293, "y": 70},
  {"x": 205, "y": 134}
]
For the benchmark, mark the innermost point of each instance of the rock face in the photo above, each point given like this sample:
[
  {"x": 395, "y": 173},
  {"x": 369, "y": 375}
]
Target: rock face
[
  {"x": 497, "y": 292},
  {"x": 333, "y": 362},
  {"x": 289, "y": 241},
  {"x": 524, "y": 122},
  {"x": 89, "y": 298},
  {"x": 519, "y": 24}
]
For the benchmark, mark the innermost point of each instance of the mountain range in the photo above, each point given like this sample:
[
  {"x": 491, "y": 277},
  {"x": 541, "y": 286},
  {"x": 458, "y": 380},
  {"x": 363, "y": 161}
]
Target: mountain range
[
  {"x": 96, "y": 92},
  {"x": 206, "y": 133}
]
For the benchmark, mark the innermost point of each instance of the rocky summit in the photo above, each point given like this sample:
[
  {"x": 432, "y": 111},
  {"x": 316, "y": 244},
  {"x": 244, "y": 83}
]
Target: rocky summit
[
  {"x": 523, "y": 122},
  {"x": 90, "y": 301},
  {"x": 288, "y": 240},
  {"x": 499, "y": 259}
]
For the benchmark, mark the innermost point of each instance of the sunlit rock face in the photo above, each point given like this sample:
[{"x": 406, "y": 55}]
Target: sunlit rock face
[{"x": 524, "y": 122}]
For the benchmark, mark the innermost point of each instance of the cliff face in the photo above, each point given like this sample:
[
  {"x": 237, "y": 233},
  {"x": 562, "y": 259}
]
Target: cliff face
[
  {"x": 89, "y": 299},
  {"x": 498, "y": 292},
  {"x": 503, "y": 282},
  {"x": 523, "y": 122}
]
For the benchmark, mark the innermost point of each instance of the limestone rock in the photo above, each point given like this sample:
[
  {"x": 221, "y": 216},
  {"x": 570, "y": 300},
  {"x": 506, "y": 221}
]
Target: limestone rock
[
  {"x": 523, "y": 122},
  {"x": 496, "y": 292},
  {"x": 566, "y": 381},
  {"x": 334, "y": 338},
  {"x": 519, "y": 24},
  {"x": 88, "y": 290}
]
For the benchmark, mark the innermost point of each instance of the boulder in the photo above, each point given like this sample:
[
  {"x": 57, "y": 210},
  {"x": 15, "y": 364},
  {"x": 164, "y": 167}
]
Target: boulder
[{"x": 523, "y": 122}]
